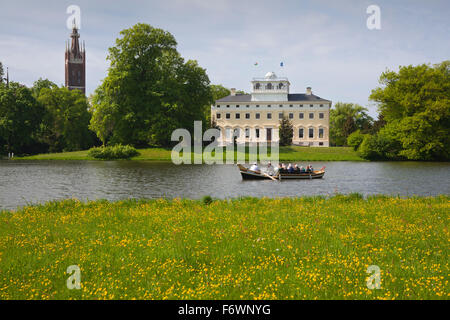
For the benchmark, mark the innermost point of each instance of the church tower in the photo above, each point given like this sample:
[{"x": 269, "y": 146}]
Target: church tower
[{"x": 75, "y": 63}]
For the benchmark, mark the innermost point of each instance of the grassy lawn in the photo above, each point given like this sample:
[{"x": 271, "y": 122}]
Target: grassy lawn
[
  {"x": 293, "y": 153},
  {"x": 303, "y": 248}
]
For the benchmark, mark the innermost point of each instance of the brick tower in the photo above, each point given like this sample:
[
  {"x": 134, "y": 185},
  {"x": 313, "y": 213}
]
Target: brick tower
[{"x": 75, "y": 63}]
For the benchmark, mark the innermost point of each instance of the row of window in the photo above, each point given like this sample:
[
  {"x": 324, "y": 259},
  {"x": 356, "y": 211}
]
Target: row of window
[
  {"x": 301, "y": 115},
  {"x": 237, "y": 133},
  {"x": 269, "y": 106},
  {"x": 268, "y": 86}
]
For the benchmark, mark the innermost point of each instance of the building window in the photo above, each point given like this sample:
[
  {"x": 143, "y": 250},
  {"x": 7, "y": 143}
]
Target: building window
[
  {"x": 280, "y": 115},
  {"x": 236, "y": 133},
  {"x": 311, "y": 105},
  {"x": 228, "y": 133},
  {"x": 247, "y": 133},
  {"x": 257, "y": 105},
  {"x": 257, "y": 86},
  {"x": 269, "y": 86},
  {"x": 237, "y": 106},
  {"x": 320, "y": 143},
  {"x": 321, "y": 105},
  {"x": 321, "y": 115},
  {"x": 320, "y": 133},
  {"x": 257, "y": 133},
  {"x": 291, "y": 106},
  {"x": 311, "y": 133},
  {"x": 269, "y": 116},
  {"x": 228, "y": 116},
  {"x": 218, "y": 115},
  {"x": 301, "y": 106},
  {"x": 291, "y": 116},
  {"x": 228, "y": 105},
  {"x": 218, "y": 106},
  {"x": 238, "y": 115},
  {"x": 301, "y": 115},
  {"x": 247, "y": 116},
  {"x": 311, "y": 115},
  {"x": 257, "y": 116},
  {"x": 268, "y": 106},
  {"x": 300, "y": 133},
  {"x": 280, "y": 86},
  {"x": 247, "y": 106},
  {"x": 281, "y": 106}
]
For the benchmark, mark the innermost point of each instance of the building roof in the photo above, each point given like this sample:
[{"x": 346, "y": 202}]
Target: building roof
[{"x": 300, "y": 97}]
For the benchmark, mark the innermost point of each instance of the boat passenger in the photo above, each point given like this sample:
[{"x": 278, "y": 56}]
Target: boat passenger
[
  {"x": 311, "y": 169},
  {"x": 290, "y": 168},
  {"x": 278, "y": 169},
  {"x": 302, "y": 169},
  {"x": 296, "y": 169},
  {"x": 255, "y": 168},
  {"x": 270, "y": 169}
]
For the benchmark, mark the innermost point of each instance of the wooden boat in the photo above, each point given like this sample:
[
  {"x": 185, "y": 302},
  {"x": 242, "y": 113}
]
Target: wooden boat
[{"x": 248, "y": 174}]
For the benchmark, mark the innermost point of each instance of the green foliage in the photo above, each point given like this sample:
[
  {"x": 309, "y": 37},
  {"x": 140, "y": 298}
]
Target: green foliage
[
  {"x": 207, "y": 200},
  {"x": 113, "y": 152},
  {"x": 149, "y": 91},
  {"x": 40, "y": 84},
  {"x": 346, "y": 118},
  {"x": 2, "y": 72},
  {"x": 20, "y": 116},
  {"x": 355, "y": 139},
  {"x": 286, "y": 131},
  {"x": 65, "y": 124},
  {"x": 415, "y": 103}
]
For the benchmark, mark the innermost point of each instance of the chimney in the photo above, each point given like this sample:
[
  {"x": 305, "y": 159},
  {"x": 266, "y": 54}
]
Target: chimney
[
  {"x": 308, "y": 91},
  {"x": 233, "y": 91}
]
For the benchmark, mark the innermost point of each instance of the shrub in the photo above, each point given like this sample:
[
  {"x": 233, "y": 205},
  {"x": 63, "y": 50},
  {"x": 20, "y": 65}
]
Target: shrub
[
  {"x": 207, "y": 200},
  {"x": 113, "y": 152},
  {"x": 355, "y": 139},
  {"x": 369, "y": 148}
]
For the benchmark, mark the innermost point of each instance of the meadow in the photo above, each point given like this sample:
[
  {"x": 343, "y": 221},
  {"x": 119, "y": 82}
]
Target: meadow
[
  {"x": 291, "y": 153},
  {"x": 290, "y": 248}
]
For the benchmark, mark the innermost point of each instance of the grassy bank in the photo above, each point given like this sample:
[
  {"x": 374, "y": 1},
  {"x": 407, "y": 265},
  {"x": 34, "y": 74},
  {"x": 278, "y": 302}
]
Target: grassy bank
[
  {"x": 303, "y": 248},
  {"x": 293, "y": 153}
]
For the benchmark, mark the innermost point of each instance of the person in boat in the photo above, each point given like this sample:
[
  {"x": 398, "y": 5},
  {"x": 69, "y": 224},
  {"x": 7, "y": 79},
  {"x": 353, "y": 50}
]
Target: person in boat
[
  {"x": 290, "y": 168},
  {"x": 311, "y": 169},
  {"x": 255, "y": 168},
  {"x": 270, "y": 169},
  {"x": 296, "y": 169},
  {"x": 302, "y": 169},
  {"x": 278, "y": 169}
]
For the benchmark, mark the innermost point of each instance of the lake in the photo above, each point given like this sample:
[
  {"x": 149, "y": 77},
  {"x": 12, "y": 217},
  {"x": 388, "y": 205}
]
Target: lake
[{"x": 28, "y": 182}]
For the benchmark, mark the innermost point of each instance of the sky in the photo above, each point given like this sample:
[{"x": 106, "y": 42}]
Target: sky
[{"x": 323, "y": 44}]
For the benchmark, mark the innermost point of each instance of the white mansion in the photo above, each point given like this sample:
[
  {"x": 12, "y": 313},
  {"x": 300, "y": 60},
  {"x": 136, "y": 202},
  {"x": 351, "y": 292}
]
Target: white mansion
[{"x": 256, "y": 117}]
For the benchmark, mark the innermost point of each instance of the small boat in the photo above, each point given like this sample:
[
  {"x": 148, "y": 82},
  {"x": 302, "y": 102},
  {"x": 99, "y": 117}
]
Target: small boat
[{"x": 248, "y": 174}]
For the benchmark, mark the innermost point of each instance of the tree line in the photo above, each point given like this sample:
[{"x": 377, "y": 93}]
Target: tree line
[{"x": 150, "y": 90}]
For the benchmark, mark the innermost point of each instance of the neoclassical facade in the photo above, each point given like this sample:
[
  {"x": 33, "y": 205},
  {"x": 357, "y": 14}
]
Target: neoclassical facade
[{"x": 256, "y": 117}]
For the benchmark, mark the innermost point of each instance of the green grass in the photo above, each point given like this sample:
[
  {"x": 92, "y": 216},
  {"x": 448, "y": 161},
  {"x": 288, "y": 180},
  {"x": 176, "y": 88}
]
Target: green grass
[
  {"x": 293, "y": 153},
  {"x": 306, "y": 248}
]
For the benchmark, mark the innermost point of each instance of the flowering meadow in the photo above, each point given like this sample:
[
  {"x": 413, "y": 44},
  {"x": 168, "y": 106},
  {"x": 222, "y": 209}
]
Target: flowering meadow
[{"x": 303, "y": 248}]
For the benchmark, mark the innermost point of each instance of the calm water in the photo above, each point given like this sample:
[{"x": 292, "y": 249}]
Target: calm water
[{"x": 27, "y": 182}]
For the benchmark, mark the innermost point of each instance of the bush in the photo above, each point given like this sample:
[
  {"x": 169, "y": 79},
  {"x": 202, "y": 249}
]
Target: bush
[
  {"x": 369, "y": 148},
  {"x": 355, "y": 139},
  {"x": 113, "y": 152},
  {"x": 207, "y": 200}
]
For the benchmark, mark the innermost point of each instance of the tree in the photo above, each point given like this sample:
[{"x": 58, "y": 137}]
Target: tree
[
  {"x": 415, "y": 102},
  {"x": 41, "y": 84},
  {"x": 2, "y": 72},
  {"x": 355, "y": 139},
  {"x": 20, "y": 116},
  {"x": 346, "y": 118},
  {"x": 286, "y": 131},
  {"x": 65, "y": 124},
  {"x": 149, "y": 90}
]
